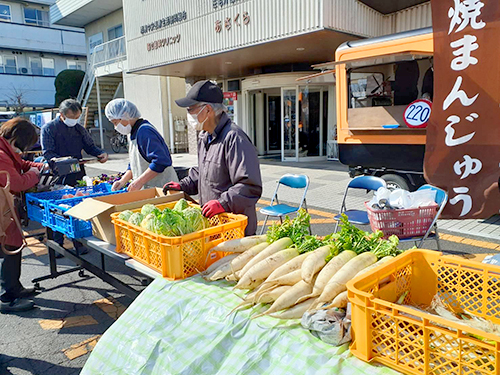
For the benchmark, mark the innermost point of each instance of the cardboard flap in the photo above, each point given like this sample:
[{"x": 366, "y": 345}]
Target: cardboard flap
[{"x": 89, "y": 209}]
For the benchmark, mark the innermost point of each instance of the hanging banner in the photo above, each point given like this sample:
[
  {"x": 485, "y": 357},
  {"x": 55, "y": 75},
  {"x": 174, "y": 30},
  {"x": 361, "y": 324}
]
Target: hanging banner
[{"x": 463, "y": 135}]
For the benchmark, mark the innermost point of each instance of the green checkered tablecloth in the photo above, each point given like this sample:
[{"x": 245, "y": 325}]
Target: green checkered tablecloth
[{"x": 182, "y": 327}]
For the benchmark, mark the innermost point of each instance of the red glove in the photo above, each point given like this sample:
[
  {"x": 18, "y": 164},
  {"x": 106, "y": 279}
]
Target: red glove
[
  {"x": 212, "y": 208},
  {"x": 171, "y": 186}
]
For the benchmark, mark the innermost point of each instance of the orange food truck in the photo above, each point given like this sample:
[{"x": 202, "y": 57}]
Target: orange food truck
[{"x": 384, "y": 99}]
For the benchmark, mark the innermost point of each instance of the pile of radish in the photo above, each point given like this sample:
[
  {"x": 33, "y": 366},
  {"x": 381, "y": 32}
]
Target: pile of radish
[{"x": 306, "y": 273}]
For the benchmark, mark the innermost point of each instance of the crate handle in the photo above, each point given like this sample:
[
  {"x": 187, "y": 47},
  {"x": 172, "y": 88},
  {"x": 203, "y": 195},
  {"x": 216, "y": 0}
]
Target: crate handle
[{"x": 33, "y": 203}]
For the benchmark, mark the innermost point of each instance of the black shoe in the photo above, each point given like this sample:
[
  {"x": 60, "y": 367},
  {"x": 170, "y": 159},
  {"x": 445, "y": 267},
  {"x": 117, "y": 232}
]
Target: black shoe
[
  {"x": 27, "y": 292},
  {"x": 17, "y": 305}
]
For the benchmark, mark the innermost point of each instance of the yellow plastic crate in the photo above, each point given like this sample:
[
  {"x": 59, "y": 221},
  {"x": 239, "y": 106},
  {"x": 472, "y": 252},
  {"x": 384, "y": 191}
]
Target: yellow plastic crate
[
  {"x": 414, "y": 342},
  {"x": 177, "y": 257}
]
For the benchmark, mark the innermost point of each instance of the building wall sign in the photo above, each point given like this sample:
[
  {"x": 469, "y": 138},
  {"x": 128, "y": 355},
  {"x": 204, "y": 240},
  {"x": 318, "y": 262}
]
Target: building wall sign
[
  {"x": 462, "y": 151},
  {"x": 164, "y": 42},
  {"x": 164, "y": 22},
  {"x": 235, "y": 21},
  {"x": 218, "y": 4}
]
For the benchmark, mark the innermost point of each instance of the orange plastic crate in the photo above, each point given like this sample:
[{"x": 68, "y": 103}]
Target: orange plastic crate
[
  {"x": 177, "y": 257},
  {"x": 414, "y": 342}
]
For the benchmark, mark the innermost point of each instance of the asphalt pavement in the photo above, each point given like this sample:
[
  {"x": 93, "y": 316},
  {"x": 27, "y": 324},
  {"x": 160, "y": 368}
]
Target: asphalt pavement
[{"x": 74, "y": 310}]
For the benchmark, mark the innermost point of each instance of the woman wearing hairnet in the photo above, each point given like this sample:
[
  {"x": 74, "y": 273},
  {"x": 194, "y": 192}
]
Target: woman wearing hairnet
[{"x": 150, "y": 161}]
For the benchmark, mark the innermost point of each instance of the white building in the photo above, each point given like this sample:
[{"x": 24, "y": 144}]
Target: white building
[
  {"x": 33, "y": 52},
  {"x": 255, "y": 49},
  {"x": 105, "y": 33}
]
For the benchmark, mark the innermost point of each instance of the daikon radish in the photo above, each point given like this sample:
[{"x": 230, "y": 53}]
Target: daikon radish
[
  {"x": 314, "y": 262},
  {"x": 242, "y": 259},
  {"x": 218, "y": 264},
  {"x": 291, "y": 265},
  {"x": 291, "y": 278},
  {"x": 261, "y": 270},
  {"x": 331, "y": 268},
  {"x": 239, "y": 245},
  {"x": 337, "y": 283},
  {"x": 231, "y": 277},
  {"x": 279, "y": 245},
  {"x": 289, "y": 298},
  {"x": 295, "y": 312},
  {"x": 221, "y": 272},
  {"x": 340, "y": 301},
  {"x": 273, "y": 295}
]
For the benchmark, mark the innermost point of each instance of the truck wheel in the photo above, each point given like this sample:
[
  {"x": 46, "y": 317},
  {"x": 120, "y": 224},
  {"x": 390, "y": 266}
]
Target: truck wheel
[{"x": 395, "y": 182}]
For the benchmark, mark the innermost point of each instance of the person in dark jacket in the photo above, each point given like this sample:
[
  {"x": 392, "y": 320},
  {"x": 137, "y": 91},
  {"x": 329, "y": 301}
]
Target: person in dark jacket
[
  {"x": 16, "y": 135},
  {"x": 227, "y": 177},
  {"x": 64, "y": 136}
]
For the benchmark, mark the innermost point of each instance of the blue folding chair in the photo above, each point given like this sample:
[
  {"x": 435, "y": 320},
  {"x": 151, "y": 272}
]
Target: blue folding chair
[
  {"x": 432, "y": 233},
  {"x": 293, "y": 181},
  {"x": 368, "y": 183}
]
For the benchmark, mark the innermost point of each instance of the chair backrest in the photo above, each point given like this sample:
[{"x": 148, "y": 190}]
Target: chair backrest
[
  {"x": 294, "y": 181},
  {"x": 367, "y": 183},
  {"x": 441, "y": 195}
]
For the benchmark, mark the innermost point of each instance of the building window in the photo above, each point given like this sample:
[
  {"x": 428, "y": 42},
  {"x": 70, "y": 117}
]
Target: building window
[
  {"x": 8, "y": 65},
  {"x": 76, "y": 65},
  {"x": 48, "y": 67},
  {"x": 5, "y": 13},
  {"x": 115, "y": 32},
  {"x": 42, "y": 66},
  {"x": 36, "y": 65},
  {"x": 36, "y": 17}
]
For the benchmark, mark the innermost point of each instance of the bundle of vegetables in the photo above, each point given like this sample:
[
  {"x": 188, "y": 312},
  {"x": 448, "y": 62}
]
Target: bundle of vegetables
[
  {"x": 300, "y": 274},
  {"x": 182, "y": 219},
  {"x": 103, "y": 178}
]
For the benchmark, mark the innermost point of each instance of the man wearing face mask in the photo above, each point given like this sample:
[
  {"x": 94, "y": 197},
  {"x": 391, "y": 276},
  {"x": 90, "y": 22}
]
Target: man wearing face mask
[
  {"x": 63, "y": 137},
  {"x": 150, "y": 160},
  {"x": 227, "y": 178}
]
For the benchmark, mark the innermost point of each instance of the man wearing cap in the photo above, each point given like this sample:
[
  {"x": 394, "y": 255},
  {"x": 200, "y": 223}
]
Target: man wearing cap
[{"x": 227, "y": 178}]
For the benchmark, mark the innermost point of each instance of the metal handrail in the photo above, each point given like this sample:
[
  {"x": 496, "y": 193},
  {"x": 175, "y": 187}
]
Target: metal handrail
[{"x": 113, "y": 51}]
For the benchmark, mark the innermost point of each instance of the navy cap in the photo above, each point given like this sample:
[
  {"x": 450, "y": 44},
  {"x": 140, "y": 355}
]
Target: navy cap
[{"x": 202, "y": 91}]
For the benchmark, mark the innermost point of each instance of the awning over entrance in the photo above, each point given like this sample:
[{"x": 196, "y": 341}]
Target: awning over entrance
[
  {"x": 391, "y": 6},
  {"x": 329, "y": 67},
  {"x": 302, "y": 49}
]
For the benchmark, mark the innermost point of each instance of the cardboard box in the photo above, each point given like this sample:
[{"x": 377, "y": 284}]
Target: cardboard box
[{"x": 98, "y": 210}]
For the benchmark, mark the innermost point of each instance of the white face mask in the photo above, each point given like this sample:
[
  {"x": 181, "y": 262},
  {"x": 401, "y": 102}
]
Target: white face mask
[
  {"x": 123, "y": 129},
  {"x": 193, "y": 120},
  {"x": 70, "y": 122}
]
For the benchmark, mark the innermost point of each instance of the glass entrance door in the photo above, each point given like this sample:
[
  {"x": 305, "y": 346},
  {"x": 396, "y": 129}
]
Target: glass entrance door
[{"x": 289, "y": 134}]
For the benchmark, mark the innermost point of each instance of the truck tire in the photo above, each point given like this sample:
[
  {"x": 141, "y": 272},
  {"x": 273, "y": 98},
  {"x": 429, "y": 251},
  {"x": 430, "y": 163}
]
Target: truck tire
[{"x": 395, "y": 182}]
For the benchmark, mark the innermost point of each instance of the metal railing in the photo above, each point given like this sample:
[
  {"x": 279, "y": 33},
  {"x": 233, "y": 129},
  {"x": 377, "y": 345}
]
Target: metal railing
[{"x": 102, "y": 55}]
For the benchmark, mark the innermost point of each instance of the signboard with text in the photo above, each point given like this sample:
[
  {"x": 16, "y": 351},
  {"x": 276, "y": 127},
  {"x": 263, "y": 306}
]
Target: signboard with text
[{"x": 463, "y": 134}]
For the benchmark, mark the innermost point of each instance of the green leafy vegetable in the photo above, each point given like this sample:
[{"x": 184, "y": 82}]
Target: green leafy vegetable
[
  {"x": 148, "y": 209},
  {"x": 310, "y": 243},
  {"x": 125, "y": 215},
  {"x": 136, "y": 219},
  {"x": 181, "y": 205},
  {"x": 195, "y": 219},
  {"x": 149, "y": 222},
  {"x": 352, "y": 238},
  {"x": 295, "y": 229}
]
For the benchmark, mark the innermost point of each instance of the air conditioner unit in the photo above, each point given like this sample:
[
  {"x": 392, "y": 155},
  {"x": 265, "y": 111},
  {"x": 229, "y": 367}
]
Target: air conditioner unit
[{"x": 24, "y": 71}]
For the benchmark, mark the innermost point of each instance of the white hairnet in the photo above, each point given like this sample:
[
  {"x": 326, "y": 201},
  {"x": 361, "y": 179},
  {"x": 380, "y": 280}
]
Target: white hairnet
[{"x": 121, "y": 109}]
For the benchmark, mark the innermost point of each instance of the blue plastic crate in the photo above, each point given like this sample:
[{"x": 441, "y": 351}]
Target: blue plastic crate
[
  {"x": 37, "y": 203},
  {"x": 68, "y": 225}
]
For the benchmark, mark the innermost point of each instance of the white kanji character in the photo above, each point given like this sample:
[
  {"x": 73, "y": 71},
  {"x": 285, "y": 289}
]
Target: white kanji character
[
  {"x": 465, "y": 47},
  {"x": 450, "y": 132},
  {"x": 464, "y": 13},
  {"x": 456, "y": 93},
  {"x": 472, "y": 166},
  {"x": 462, "y": 197}
]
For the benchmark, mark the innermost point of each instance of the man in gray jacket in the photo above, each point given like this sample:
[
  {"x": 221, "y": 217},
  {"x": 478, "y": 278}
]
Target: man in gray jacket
[{"x": 227, "y": 178}]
